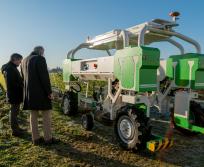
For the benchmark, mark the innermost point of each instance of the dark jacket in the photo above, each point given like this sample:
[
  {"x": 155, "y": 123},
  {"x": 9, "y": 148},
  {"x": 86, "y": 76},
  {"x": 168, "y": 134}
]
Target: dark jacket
[
  {"x": 14, "y": 83},
  {"x": 37, "y": 86}
]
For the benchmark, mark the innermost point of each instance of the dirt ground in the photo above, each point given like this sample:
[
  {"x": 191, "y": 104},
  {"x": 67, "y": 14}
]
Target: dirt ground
[{"x": 97, "y": 148}]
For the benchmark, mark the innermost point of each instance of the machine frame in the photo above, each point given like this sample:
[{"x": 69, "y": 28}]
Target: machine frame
[{"x": 131, "y": 122}]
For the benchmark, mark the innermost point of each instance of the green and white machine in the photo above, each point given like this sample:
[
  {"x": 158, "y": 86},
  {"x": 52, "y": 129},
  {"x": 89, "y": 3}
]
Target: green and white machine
[{"x": 134, "y": 79}]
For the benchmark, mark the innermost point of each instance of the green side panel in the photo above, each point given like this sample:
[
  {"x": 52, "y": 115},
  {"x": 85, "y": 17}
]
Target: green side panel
[
  {"x": 141, "y": 107},
  {"x": 67, "y": 70},
  {"x": 184, "y": 123},
  {"x": 169, "y": 68},
  {"x": 199, "y": 78},
  {"x": 182, "y": 74},
  {"x": 136, "y": 68},
  {"x": 150, "y": 74},
  {"x": 128, "y": 72}
]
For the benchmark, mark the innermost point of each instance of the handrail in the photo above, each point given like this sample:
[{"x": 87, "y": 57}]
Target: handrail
[
  {"x": 71, "y": 53},
  {"x": 178, "y": 35},
  {"x": 141, "y": 36},
  {"x": 125, "y": 37},
  {"x": 178, "y": 45}
]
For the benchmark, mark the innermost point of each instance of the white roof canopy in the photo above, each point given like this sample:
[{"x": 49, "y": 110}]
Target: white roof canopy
[{"x": 143, "y": 34}]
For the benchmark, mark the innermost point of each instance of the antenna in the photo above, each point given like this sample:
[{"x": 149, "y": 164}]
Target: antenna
[{"x": 174, "y": 15}]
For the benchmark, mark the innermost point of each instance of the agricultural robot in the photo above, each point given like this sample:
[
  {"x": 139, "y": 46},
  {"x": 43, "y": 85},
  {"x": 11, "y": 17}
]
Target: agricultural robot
[{"x": 135, "y": 79}]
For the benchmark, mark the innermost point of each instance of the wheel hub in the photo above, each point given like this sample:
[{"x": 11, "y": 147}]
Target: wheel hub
[
  {"x": 126, "y": 128},
  {"x": 66, "y": 105},
  {"x": 84, "y": 121}
]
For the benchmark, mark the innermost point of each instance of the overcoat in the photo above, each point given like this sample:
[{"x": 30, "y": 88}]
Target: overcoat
[
  {"x": 14, "y": 83},
  {"x": 37, "y": 85}
]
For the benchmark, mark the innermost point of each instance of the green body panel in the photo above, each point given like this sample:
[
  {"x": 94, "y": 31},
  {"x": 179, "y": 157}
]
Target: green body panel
[
  {"x": 184, "y": 123},
  {"x": 67, "y": 71},
  {"x": 181, "y": 121},
  {"x": 141, "y": 107},
  {"x": 183, "y": 78},
  {"x": 136, "y": 68}
]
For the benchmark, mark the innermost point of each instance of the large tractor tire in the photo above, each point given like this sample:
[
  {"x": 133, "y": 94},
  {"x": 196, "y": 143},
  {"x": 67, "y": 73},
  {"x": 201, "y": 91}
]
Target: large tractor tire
[
  {"x": 70, "y": 103},
  {"x": 132, "y": 129}
]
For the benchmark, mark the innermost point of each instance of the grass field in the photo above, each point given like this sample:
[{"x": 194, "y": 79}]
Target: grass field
[
  {"x": 78, "y": 147},
  {"x": 97, "y": 148}
]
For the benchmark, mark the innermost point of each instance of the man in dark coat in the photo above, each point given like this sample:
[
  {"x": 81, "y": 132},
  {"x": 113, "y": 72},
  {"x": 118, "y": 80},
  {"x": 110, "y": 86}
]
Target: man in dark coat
[
  {"x": 14, "y": 84},
  {"x": 37, "y": 93}
]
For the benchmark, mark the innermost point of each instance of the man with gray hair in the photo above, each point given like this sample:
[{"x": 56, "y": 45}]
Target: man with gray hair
[{"x": 37, "y": 94}]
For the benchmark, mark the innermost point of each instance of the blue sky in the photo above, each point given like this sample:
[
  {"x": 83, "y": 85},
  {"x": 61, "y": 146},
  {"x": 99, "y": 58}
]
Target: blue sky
[{"x": 60, "y": 25}]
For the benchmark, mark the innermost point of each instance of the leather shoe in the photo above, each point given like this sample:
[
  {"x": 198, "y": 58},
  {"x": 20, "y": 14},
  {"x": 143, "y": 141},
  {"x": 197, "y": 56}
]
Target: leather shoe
[
  {"x": 17, "y": 133},
  {"x": 38, "y": 142},
  {"x": 52, "y": 141}
]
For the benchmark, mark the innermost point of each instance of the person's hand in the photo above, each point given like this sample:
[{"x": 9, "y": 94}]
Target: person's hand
[{"x": 50, "y": 97}]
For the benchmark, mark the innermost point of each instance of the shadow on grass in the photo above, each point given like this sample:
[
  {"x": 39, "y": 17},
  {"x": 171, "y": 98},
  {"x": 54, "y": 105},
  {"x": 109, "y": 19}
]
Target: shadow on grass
[
  {"x": 5, "y": 147},
  {"x": 67, "y": 151},
  {"x": 100, "y": 132}
]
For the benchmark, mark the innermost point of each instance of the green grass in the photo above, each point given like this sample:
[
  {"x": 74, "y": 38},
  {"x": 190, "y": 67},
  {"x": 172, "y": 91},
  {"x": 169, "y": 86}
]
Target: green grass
[
  {"x": 77, "y": 147},
  {"x": 96, "y": 148}
]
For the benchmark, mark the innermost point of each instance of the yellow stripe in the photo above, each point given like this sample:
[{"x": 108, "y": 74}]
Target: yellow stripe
[
  {"x": 166, "y": 142},
  {"x": 160, "y": 145},
  {"x": 172, "y": 142}
]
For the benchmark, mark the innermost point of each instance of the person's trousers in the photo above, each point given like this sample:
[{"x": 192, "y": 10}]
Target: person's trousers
[
  {"x": 46, "y": 116},
  {"x": 14, "y": 117}
]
